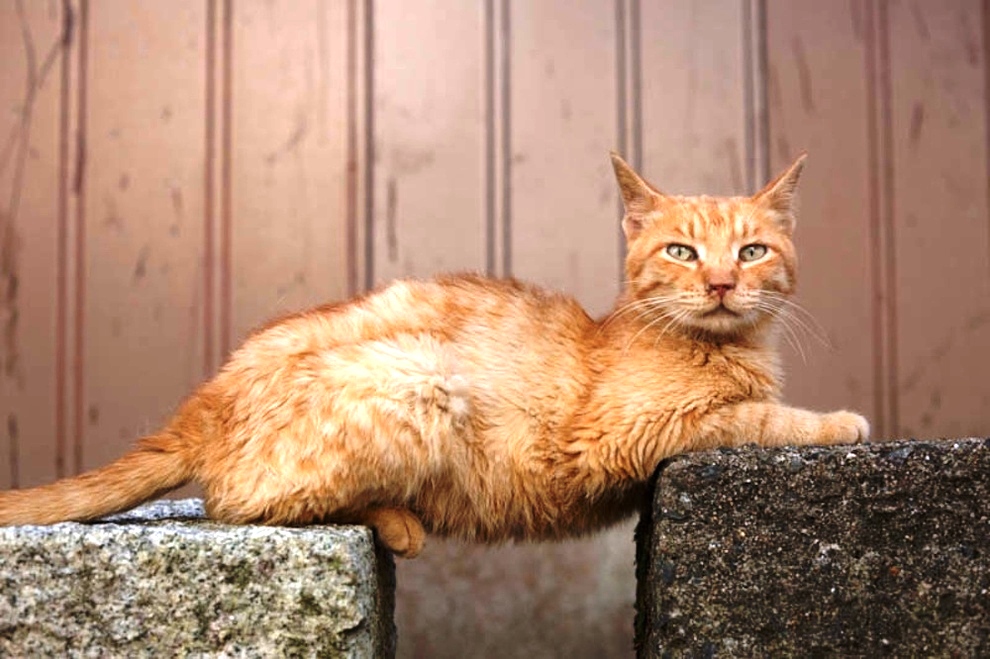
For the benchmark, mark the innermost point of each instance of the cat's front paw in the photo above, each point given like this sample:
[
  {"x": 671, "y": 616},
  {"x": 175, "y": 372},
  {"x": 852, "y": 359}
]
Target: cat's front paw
[{"x": 844, "y": 428}]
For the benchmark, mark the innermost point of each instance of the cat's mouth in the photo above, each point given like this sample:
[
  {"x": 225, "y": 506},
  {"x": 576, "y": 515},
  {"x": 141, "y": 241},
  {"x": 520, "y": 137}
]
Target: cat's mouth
[{"x": 720, "y": 311}]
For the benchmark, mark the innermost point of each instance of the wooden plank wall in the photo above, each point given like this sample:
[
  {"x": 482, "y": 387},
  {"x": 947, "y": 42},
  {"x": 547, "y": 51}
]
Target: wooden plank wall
[
  {"x": 32, "y": 244},
  {"x": 287, "y": 230},
  {"x": 817, "y": 58},
  {"x": 170, "y": 176},
  {"x": 936, "y": 179}
]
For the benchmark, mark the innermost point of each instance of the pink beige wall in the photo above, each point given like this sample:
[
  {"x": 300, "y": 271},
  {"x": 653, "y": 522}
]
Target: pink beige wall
[{"x": 173, "y": 173}]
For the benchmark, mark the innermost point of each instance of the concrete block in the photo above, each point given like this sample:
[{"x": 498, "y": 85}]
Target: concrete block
[
  {"x": 163, "y": 581},
  {"x": 877, "y": 549}
]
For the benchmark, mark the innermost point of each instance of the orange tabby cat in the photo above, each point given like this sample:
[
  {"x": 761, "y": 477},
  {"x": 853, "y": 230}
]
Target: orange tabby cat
[{"x": 487, "y": 409}]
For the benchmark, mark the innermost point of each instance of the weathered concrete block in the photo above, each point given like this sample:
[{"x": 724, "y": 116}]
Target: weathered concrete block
[
  {"x": 163, "y": 581},
  {"x": 878, "y": 549}
]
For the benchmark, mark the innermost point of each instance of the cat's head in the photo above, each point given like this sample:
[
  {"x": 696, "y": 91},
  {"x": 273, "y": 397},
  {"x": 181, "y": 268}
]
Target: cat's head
[{"x": 714, "y": 265}]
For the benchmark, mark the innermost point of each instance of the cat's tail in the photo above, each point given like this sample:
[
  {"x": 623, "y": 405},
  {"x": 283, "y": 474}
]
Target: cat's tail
[{"x": 158, "y": 464}]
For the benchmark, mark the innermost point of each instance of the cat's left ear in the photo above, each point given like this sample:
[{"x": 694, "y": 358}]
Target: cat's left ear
[{"x": 778, "y": 195}]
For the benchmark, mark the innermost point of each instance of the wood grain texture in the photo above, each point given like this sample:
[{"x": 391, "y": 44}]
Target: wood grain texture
[
  {"x": 360, "y": 147},
  {"x": 217, "y": 217},
  {"x": 942, "y": 264},
  {"x": 30, "y": 72},
  {"x": 694, "y": 115},
  {"x": 289, "y": 247},
  {"x": 564, "y": 225},
  {"x": 144, "y": 208},
  {"x": 818, "y": 103},
  {"x": 429, "y": 142}
]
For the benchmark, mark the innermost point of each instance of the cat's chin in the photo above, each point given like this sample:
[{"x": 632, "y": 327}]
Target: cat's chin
[
  {"x": 721, "y": 311},
  {"x": 722, "y": 322}
]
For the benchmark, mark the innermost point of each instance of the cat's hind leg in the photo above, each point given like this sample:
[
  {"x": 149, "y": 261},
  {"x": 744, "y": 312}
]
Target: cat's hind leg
[{"x": 399, "y": 529}]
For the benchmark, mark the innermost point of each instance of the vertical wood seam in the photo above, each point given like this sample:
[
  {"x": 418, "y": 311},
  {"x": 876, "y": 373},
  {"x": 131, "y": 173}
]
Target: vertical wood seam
[
  {"x": 749, "y": 93},
  {"x": 636, "y": 86},
  {"x": 209, "y": 192},
  {"x": 351, "y": 166},
  {"x": 497, "y": 155},
  {"x": 62, "y": 241},
  {"x": 217, "y": 186},
  {"x": 629, "y": 83},
  {"x": 986, "y": 103},
  {"x": 889, "y": 210},
  {"x": 757, "y": 119},
  {"x": 873, "y": 186},
  {"x": 880, "y": 187},
  {"x": 490, "y": 157},
  {"x": 369, "y": 143},
  {"x": 359, "y": 195},
  {"x": 226, "y": 181},
  {"x": 79, "y": 188},
  {"x": 620, "y": 79},
  {"x": 629, "y": 102},
  {"x": 621, "y": 121},
  {"x": 18, "y": 149},
  {"x": 505, "y": 89}
]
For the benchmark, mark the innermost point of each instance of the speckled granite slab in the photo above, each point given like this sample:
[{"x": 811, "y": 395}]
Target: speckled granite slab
[
  {"x": 162, "y": 581},
  {"x": 875, "y": 550}
]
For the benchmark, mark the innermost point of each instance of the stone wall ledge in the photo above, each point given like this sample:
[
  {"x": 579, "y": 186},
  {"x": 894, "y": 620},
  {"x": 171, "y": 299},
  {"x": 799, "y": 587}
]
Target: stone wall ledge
[
  {"x": 164, "y": 581},
  {"x": 878, "y": 549}
]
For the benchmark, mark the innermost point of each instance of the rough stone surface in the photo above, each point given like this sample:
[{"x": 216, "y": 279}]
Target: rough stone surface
[
  {"x": 163, "y": 581},
  {"x": 873, "y": 550}
]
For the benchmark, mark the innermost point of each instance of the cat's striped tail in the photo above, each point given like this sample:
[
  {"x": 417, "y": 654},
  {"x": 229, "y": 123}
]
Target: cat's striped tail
[{"x": 158, "y": 464}]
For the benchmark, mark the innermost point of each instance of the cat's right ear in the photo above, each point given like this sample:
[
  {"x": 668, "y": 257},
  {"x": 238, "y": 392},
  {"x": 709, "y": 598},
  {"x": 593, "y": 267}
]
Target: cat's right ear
[{"x": 638, "y": 197}]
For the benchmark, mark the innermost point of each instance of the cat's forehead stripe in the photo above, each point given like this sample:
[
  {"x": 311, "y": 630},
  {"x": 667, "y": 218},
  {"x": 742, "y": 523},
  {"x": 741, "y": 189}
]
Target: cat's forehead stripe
[{"x": 698, "y": 217}]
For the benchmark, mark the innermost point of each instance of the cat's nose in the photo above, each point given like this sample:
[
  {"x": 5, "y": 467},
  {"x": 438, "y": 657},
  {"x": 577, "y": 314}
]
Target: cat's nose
[{"x": 720, "y": 289}]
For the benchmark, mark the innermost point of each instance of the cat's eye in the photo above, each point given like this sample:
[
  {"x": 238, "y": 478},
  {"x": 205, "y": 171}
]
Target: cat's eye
[
  {"x": 682, "y": 252},
  {"x": 753, "y": 252}
]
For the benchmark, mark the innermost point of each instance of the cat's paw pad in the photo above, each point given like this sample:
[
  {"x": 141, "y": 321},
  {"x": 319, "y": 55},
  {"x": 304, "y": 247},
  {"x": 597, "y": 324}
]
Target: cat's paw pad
[
  {"x": 399, "y": 530},
  {"x": 845, "y": 428}
]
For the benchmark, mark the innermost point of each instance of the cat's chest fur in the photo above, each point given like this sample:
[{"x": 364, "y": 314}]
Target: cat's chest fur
[{"x": 645, "y": 400}]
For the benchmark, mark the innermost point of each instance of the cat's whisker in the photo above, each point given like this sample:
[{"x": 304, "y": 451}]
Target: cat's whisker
[
  {"x": 794, "y": 342},
  {"x": 677, "y": 318},
  {"x": 823, "y": 340},
  {"x": 663, "y": 316},
  {"x": 645, "y": 327},
  {"x": 791, "y": 338},
  {"x": 789, "y": 334},
  {"x": 799, "y": 323},
  {"x": 647, "y": 315},
  {"x": 649, "y": 304},
  {"x": 615, "y": 315},
  {"x": 801, "y": 311},
  {"x": 809, "y": 322},
  {"x": 629, "y": 306}
]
